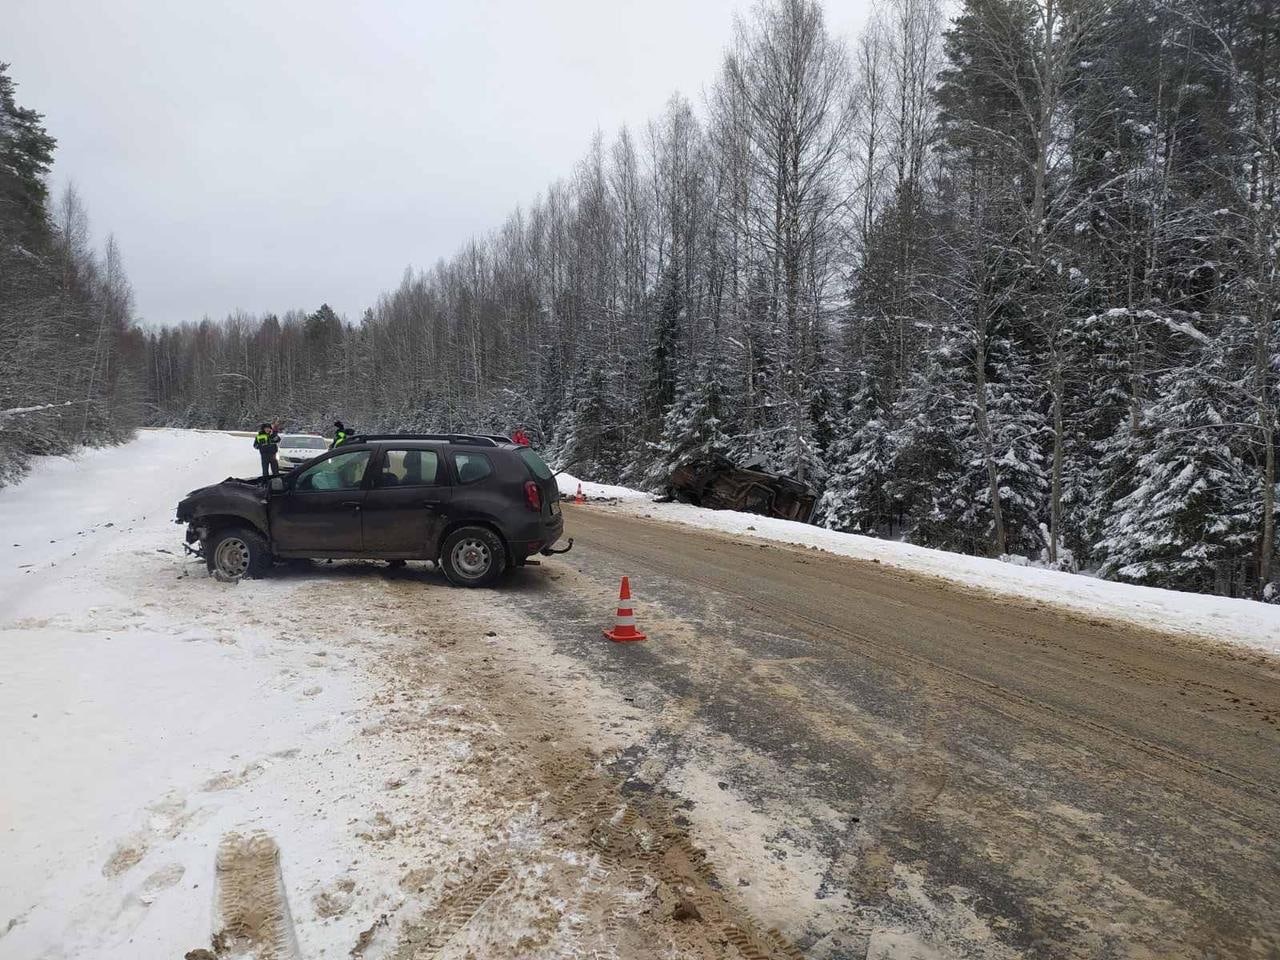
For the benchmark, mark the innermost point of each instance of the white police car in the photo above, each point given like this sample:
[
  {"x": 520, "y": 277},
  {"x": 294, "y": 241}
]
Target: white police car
[{"x": 296, "y": 448}]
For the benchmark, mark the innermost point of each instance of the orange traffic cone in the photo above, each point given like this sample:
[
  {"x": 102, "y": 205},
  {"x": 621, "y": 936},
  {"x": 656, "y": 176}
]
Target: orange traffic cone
[
  {"x": 578, "y": 497},
  {"x": 625, "y": 629}
]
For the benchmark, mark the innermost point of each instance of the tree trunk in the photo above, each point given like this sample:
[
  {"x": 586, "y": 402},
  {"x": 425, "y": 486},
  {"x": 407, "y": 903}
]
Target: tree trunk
[
  {"x": 1055, "y": 495},
  {"x": 1263, "y": 198},
  {"x": 1268, "y": 506},
  {"x": 1266, "y": 415},
  {"x": 988, "y": 448}
]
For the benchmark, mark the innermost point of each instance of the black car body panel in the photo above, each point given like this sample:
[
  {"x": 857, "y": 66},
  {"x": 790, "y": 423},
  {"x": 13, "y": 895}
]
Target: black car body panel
[
  {"x": 242, "y": 499},
  {"x": 388, "y": 504}
]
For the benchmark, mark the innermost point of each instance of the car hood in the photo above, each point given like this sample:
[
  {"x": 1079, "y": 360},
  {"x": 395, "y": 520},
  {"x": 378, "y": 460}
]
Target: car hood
[
  {"x": 233, "y": 496},
  {"x": 226, "y": 486}
]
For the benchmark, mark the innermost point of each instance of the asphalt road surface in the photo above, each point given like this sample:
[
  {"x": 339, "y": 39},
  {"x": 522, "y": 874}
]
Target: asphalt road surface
[{"x": 994, "y": 778}]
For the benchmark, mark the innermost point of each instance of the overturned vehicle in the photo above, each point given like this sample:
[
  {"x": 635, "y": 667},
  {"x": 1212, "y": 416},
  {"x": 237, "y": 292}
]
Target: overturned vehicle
[{"x": 717, "y": 483}]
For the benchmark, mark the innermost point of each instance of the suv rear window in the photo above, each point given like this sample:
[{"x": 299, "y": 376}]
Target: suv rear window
[
  {"x": 535, "y": 463},
  {"x": 472, "y": 466}
]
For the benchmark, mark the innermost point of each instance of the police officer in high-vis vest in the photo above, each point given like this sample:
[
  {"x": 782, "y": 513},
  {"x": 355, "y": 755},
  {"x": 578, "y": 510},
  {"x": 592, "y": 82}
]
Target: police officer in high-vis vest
[
  {"x": 340, "y": 434},
  {"x": 267, "y": 442}
]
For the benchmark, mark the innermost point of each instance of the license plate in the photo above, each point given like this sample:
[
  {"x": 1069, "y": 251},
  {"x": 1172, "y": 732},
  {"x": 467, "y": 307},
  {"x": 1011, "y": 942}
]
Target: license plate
[{"x": 555, "y": 508}]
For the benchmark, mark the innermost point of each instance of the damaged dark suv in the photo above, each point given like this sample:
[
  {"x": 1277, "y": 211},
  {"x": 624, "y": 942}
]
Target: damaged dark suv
[{"x": 474, "y": 505}]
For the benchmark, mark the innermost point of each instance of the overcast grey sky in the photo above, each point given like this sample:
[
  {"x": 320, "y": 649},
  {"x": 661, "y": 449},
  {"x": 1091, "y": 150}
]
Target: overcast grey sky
[{"x": 269, "y": 155}]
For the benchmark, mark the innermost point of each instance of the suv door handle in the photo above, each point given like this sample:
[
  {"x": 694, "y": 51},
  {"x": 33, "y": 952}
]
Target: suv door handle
[
  {"x": 432, "y": 505},
  {"x": 354, "y": 504}
]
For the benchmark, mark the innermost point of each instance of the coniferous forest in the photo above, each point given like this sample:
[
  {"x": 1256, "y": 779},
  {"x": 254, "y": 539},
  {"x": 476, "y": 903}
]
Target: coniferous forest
[
  {"x": 74, "y": 363},
  {"x": 1001, "y": 283}
]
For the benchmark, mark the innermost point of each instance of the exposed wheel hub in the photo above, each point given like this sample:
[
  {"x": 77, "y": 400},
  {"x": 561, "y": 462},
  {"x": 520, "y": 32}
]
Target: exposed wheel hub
[
  {"x": 471, "y": 557},
  {"x": 231, "y": 558}
]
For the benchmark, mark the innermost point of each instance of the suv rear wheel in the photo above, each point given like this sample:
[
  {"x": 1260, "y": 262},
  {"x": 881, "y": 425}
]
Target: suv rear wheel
[
  {"x": 234, "y": 553},
  {"x": 473, "y": 557}
]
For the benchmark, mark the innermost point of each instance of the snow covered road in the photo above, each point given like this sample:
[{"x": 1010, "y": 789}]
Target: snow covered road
[
  {"x": 427, "y": 770},
  {"x": 346, "y": 760},
  {"x": 147, "y": 709}
]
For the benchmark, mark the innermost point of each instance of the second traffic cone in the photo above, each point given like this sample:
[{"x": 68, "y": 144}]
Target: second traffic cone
[
  {"x": 578, "y": 497},
  {"x": 625, "y": 628}
]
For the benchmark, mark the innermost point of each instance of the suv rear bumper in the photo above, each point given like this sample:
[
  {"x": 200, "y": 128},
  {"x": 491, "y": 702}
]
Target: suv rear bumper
[
  {"x": 537, "y": 537},
  {"x": 521, "y": 550}
]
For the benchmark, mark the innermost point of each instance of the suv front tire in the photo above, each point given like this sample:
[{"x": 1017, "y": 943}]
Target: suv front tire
[
  {"x": 473, "y": 557},
  {"x": 234, "y": 553}
]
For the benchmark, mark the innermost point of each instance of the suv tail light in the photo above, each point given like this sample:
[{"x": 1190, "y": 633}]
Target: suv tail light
[{"x": 533, "y": 496}]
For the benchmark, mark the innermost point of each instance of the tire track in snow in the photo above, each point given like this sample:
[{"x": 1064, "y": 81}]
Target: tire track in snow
[{"x": 253, "y": 912}]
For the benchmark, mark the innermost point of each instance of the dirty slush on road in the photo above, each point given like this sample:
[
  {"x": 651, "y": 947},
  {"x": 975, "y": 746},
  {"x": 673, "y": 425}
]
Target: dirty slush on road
[
  {"x": 746, "y": 785},
  {"x": 568, "y": 849},
  {"x": 982, "y": 777}
]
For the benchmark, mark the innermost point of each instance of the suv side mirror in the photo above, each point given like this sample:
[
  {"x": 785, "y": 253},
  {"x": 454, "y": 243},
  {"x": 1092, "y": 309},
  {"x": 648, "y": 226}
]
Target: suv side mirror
[{"x": 276, "y": 484}]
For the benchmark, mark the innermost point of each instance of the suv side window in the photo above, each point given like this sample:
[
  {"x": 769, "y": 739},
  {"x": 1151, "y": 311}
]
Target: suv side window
[
  {"x": 409, "y": 468},
  {"x": 342, "y": 472},
  {"x": 472, "y": 466}
]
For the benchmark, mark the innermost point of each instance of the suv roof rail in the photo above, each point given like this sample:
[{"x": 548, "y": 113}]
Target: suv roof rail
[
  {"x": 475, "y": 439},
  {"x": 497, "y": 437}
]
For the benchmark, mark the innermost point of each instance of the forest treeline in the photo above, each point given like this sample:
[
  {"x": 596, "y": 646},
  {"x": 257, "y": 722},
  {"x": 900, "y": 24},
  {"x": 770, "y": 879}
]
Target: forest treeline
[
  {"x": 1001, "y": 283},
  {"x": 74, "y": 362}
]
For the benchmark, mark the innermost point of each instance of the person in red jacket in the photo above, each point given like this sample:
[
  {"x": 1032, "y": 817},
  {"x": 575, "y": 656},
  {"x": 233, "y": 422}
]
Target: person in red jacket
[{"x": 520, "y": 437}]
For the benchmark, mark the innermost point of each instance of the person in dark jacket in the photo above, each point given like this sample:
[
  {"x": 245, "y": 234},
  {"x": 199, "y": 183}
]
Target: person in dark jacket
[
  {"x": 267, "y": 442},
  {"x": 340, "y": 434}
]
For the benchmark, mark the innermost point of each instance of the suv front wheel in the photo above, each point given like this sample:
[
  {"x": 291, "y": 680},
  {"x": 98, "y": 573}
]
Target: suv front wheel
[
  {"x": 234, "y": 553},
  {"x": 473, "y": 557}
]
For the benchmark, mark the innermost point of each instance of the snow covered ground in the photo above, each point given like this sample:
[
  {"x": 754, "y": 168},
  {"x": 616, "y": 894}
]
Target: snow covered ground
[
  {"x": 570, "y": 484},
  {"x": 1244, "y": 623},
  {"x": 403, "y": 746},
  {"x": 148, "y": 711}
]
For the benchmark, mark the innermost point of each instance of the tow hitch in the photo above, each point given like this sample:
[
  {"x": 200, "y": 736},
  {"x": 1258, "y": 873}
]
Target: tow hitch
[{"x": 548, "y": 551}]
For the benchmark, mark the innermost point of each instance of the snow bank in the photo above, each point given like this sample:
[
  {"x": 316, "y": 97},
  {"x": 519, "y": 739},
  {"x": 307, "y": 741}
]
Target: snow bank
[
  {"x": 596, "y": 491},
  {"x": 1245, "y": 623}
]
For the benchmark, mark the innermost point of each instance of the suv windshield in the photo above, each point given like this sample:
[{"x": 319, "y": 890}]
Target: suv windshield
[
  {"x": 540, "y": 469},
  {"x": 296, "y": 442},
  {"x": 342, "y": 472}
]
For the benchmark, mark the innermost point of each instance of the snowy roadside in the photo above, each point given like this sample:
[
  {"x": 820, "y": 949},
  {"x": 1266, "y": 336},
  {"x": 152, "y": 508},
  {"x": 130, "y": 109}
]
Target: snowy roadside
[
  {"x": 417, "y": 755},
  {"x": 570, "y": 485},
  {"x": 1244, "y": 623},
  {"x": 149, "y": 712}
]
